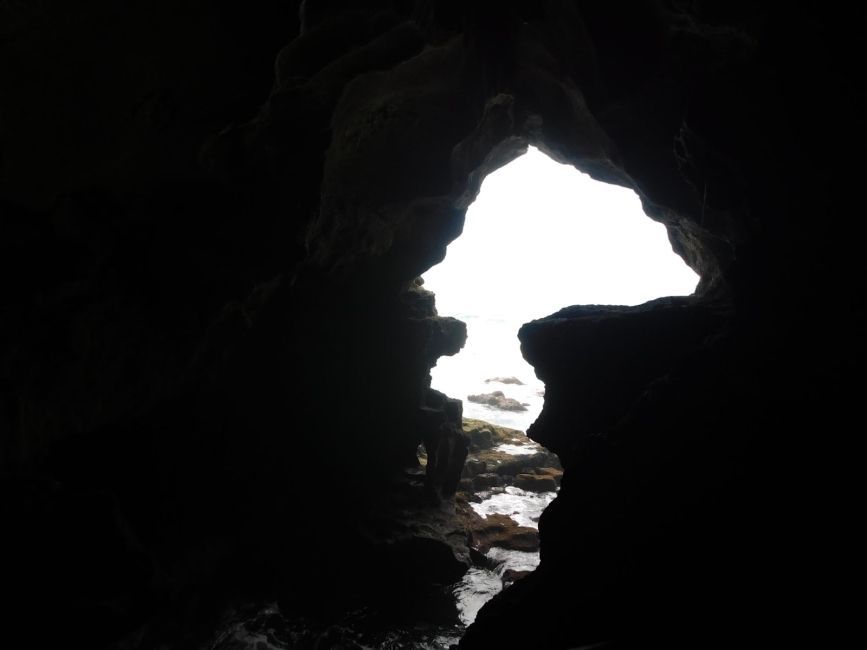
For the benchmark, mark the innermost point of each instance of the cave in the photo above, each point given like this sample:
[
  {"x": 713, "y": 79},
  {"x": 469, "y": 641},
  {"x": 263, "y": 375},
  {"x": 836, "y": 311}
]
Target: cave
[{"x": 216, "y": 355}]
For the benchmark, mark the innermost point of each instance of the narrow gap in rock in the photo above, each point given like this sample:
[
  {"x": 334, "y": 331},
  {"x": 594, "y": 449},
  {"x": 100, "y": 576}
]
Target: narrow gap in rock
[{"x": 539, "y": 237}]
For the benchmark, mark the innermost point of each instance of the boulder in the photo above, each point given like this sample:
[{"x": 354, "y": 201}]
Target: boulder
[
  {"x": 553, "y": 472},
  {"x": 501, "y": 531},
  {"x": 535, "y": 483},
  {"x": 481, "y": 439},
  {"x": 499, "y": 435},
  {"x": 498, "y": 400}
]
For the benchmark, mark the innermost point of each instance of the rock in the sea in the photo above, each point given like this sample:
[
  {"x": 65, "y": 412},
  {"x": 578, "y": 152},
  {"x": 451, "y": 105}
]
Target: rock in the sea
[
  {"x": 507, "y": 464},
  {"x": 504, "y": 380},
  {"x": 535, "y": 483},
  {"x": 481, "y": 438},
  {"x": 501, "y": 531},
  {"x": 498, "y": 400},
  {"x": 484, "y": 435},
  {"x": 554, "y": 472},
  {"x": 487, "y": 456}
]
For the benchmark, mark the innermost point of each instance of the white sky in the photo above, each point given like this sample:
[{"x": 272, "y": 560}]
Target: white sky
[{"x": 542, "y": 236}]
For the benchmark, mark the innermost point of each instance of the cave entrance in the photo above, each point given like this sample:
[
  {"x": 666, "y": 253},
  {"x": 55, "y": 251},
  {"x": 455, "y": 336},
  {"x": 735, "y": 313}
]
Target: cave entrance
[{"x": 541, "y": 236}]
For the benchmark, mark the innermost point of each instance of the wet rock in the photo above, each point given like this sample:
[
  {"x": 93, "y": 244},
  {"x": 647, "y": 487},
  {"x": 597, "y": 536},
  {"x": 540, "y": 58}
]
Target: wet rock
[
  {"x": 493, "y": 461},
  {"x": 501, "y": 531},
  {"x": 445, "y": 442},
  {"x": 498, "y": 400},
  {"x": 507, "y": 464},
  {"x": 554, "y": 472},
  {"x": 484, "y": 435},
  {"x": 481, "y": 439},
  {"x": 535, "y": 483}
]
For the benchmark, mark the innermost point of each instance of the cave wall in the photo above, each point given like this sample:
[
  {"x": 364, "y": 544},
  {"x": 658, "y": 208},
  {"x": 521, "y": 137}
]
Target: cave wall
[{"x": 212, "y": 219}]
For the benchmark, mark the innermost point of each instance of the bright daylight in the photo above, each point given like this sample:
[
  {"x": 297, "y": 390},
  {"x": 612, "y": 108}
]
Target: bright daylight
[{"x": 539, "y": 237}]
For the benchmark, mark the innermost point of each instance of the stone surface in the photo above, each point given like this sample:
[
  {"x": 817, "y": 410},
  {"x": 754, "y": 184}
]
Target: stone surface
[
  {"x": 501, "y": 531},
  {"x": 485, "y": 481},
  {"x": 509, "y": 465},
  {"x": 535, "y": 482},
  {"x": 484, "y": 435}
]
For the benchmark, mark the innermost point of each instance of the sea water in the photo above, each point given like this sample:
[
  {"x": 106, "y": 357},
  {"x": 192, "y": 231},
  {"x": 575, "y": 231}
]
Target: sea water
[
  {"x": 492, "y": 351},
  {"x": 480, "y": 584}
]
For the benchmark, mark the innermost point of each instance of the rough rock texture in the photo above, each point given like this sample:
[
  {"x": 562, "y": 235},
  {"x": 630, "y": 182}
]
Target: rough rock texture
[
  {"x": 535, "y": 482},
  {"x": 484, "y": 435},
  {"x": 211, "y": 219},
  {"x": 487, "y": 466},
  {"x": 501, "y": 531}
]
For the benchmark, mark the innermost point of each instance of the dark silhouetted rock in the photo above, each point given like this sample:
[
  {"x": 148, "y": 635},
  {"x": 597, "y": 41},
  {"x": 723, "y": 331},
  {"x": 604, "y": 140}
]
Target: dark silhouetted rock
[{"x": 554, "y": 472}]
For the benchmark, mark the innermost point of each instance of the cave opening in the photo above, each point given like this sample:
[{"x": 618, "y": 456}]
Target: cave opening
[{"x": 540, "y": 236}]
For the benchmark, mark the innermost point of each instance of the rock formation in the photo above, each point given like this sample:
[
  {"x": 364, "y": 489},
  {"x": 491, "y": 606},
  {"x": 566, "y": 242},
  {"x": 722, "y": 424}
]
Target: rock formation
[
  {"x": 498, "y": 400},
  {"x": 488, "y": 465},
  {"x": 505, "y": 380},
  {"x": 212, "y": 218}
]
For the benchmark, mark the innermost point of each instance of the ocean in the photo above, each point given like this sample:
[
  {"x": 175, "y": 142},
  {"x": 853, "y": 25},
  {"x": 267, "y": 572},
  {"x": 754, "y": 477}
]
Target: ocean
[{"x": 492, "y": 351}]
